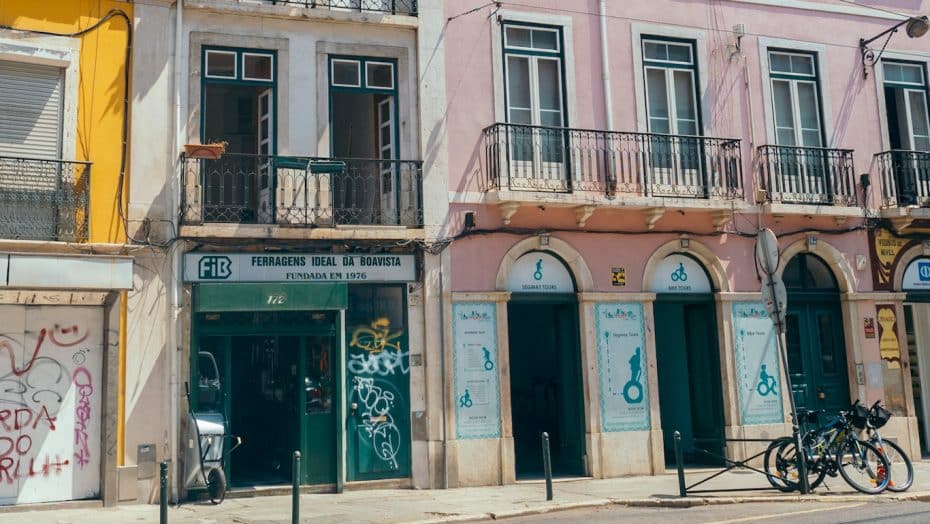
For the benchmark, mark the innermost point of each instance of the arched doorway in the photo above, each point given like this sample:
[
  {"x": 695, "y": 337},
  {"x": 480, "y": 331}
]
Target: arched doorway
[
  {"x": 916, "y": 283},
  {"x": 545, "y": 365},
  {"x": 688, "y": 359},
  {"x": 814, "y": 334}
]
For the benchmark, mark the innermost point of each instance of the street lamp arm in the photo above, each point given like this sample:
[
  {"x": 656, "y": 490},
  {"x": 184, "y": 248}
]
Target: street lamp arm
[{"x": 916, "y": 27}]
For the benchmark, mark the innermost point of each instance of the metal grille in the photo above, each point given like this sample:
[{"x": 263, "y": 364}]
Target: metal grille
[
  {"x": 44, "y": 199},
  {"x": 401, "y": 7},
  {"x": 537, "y": 158},
  {"x": 905, "y": 178},
  {"x": 808, "y": 175},
  {"x": 302, "y": 191}
]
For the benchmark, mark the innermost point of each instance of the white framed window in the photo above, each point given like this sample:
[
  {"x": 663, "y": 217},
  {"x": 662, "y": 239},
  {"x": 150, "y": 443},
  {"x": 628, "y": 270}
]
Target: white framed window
[
  {"x": 379, "y": 75},
  {"x": 669, "y": 71},
  {"x": 221, "y": 64},
  {"x": 795, "y": 93},
  {"x": 258, "y": 66},
  {"x": 345, "y": 73},
  {"x": 905, "y": 87},
  {"x": 530, "y": 38}
]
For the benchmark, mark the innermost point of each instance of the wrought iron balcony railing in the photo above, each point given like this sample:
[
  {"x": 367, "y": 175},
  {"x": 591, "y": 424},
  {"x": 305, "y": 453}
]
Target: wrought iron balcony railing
[
  {"x": 905, "y": 177},
  {"x": 398, "y": 7},
  {"x": 301, "y": 191},
  {"x": 44, "y": 199},
  {"x": 808, "y": 175},
  {"x": 556, "y": 159}
]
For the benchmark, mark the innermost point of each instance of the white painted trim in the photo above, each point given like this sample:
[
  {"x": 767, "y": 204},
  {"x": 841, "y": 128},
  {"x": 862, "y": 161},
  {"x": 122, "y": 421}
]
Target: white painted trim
[
  {"x": 823, "y": 80},
  {"x": 823, "y": 8},
  {"x": 568, "y": 58},
  {"x": 878, "y": 74},
  {"x": 639, "y": 82},
  {"x": 57, "y": 51}
]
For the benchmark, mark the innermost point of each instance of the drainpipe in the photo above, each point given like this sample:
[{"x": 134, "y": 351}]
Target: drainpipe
[
  {"x": 442, "y": 365},
  {"x": 174, "y": 335},
  {"x": 605, "y": 65}
]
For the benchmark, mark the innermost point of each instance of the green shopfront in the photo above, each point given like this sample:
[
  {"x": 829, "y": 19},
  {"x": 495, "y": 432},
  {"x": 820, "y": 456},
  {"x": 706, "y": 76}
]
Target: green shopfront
[{"x": 311, "y": 353}]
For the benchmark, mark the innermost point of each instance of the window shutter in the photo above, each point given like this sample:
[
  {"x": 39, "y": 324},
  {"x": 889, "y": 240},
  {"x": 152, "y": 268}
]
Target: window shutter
[{"x": 31, "y": 106}]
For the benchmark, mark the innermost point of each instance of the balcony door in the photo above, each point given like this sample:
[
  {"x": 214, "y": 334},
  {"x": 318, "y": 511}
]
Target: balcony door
[
  {"x": 535, "y": 109},
  {"x": 238, "y": 108},
  {"x": 363, "y": 116},
  {"x": 674, "y": 149},
  {"x": 801, "y": 163},
  {"x": 905, "y": 88}
]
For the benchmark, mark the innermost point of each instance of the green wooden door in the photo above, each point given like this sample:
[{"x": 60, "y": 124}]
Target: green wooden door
[
  {"x": 378, "y": 384},
  {"x": 817, "y": 354},
  {"x": 690, "y": 392},
  {"x": 317, "y": 399}
]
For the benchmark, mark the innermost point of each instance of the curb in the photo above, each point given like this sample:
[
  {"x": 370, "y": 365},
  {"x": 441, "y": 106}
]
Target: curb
[{"x": 689, "y": 502}]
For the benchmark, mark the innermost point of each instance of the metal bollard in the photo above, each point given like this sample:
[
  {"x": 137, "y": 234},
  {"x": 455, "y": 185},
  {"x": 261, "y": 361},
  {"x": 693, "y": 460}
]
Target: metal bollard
[
  {"x": 547, "y": 464},
  {"x": 679, "y": 462},
  {"x": 295, "y": 490},
  {"x": 163, "y": 492}
]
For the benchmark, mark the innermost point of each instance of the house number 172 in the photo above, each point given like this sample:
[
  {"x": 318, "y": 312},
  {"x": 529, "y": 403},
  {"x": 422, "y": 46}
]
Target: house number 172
[{"x": 277, "y": 300}]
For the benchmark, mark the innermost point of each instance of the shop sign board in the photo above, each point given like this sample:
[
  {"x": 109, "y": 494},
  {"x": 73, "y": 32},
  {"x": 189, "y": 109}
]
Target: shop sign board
[
  {"x": 65, "y": 272},
  {"x": 475, "y": 366},
  {"x": 539, "y": 272},
  {"x": 917, "y": 276},
  {"x": 298, "y": 267},
  {"x": 680, "y": 274},
  {"x": 759, "y": 378},
  {"x": 889, "y": 347},
  {"x": 622, "y": 367}
]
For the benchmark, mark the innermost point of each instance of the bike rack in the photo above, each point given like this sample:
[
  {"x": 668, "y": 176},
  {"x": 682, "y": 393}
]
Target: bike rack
[{"x": 684, "y": 489}]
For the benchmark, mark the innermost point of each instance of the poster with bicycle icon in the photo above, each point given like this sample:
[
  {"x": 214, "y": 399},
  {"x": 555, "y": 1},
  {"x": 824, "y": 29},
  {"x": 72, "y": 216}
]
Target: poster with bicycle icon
[
  {"x": 476, "y": 384},
  {"x": 758, "y": 372},
  {"x": 621, "y": 355}
]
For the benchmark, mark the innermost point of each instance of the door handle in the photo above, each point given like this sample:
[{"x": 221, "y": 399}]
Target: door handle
[
  {"x": 821, "y": 394},
  {"x": 353, "y": 408}
]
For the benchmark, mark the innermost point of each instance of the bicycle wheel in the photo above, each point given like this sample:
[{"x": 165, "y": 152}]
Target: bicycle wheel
[
  {"x": 863, "y": 467},
  {"x": 785, "y": 467},
  {"x": 773, "y": 474},
  {"x": 902, "y": 471}
]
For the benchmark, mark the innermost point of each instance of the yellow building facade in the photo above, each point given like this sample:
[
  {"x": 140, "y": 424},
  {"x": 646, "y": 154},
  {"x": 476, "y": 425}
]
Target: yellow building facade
[{"x": 65, "y": 268}]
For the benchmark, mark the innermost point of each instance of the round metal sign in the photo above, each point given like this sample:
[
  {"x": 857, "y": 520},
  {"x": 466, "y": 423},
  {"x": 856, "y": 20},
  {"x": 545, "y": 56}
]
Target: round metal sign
[{"x": 767, "y": 251}]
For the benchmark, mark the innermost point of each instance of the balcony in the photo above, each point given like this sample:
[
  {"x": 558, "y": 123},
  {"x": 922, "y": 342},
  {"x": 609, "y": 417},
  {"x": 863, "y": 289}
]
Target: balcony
[
  {"x": 808, "y": 175},
  {"x": 301, "y": 192},
  {"x": 44, "y": 199},
  {"x": 563, "y": 160},
  {"x": 397, "y": 7},
  {"x": 905, "y": 178}
]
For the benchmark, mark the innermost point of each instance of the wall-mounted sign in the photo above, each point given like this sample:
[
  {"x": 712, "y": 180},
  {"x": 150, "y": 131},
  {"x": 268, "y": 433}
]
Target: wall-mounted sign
[
  {"x": 917, "y": 276},
  {"x": 621, "y": 358},
  {"x": 539, "y": 272},
  {"x": 65, "y": 272},
  {"x": 868, "y": 326},
  {"x": 618, "y": 276},
  {"x": 886, "y": 250},
  {"x": 297, "y": 267},
  {"x": 889, "y": 347},
  {"x": 760, "y": 391},
  {"x": 680, "y": 274},
  {"x": 474, "y": 362}
]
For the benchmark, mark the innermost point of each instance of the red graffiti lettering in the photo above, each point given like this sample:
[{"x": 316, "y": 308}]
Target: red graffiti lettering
[
  {"x": 12, "y": 469},
  {"x": 71, "y": 331},
  {"x": 84, "y": 383},
  {"x": 26, "y": 418},
  {"x": 35, "y": 352}
]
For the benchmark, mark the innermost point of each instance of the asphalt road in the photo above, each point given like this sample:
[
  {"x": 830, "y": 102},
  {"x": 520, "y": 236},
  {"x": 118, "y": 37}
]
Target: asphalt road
[{"x": 808, "y": 513}]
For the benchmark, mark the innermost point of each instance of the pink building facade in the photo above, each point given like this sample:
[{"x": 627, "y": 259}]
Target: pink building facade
[{"x": 609, "y": 166}]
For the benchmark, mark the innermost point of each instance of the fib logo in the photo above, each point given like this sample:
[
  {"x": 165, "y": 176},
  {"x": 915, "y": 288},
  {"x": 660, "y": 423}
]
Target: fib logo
[
  {"x": 214, "y": 268},
  {"x": 923, "y": 271}
]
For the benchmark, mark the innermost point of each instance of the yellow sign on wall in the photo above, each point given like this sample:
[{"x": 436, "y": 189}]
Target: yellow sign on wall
[
  {"x": 618, "y": 276},
  {"x": 888, "y": 344}
]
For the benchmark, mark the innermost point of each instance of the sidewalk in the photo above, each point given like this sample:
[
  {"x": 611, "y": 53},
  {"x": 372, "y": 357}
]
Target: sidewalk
[{"x": 464, "y": 504}]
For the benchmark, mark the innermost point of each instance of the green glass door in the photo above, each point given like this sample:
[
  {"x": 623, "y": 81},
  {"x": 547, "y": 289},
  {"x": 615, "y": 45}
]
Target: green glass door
[
  {"x": 817, "y": 355},
  {"x": 690, "y": 391}
]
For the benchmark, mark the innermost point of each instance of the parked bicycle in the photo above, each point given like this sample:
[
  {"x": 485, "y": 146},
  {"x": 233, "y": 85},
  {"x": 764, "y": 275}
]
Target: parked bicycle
[
  {"x": 830, "y": 448},
  {"x": 901, "y": 470}
]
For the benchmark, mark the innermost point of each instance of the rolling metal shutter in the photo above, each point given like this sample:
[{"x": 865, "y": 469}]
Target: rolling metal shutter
[{"x": 31, "y": 107}]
